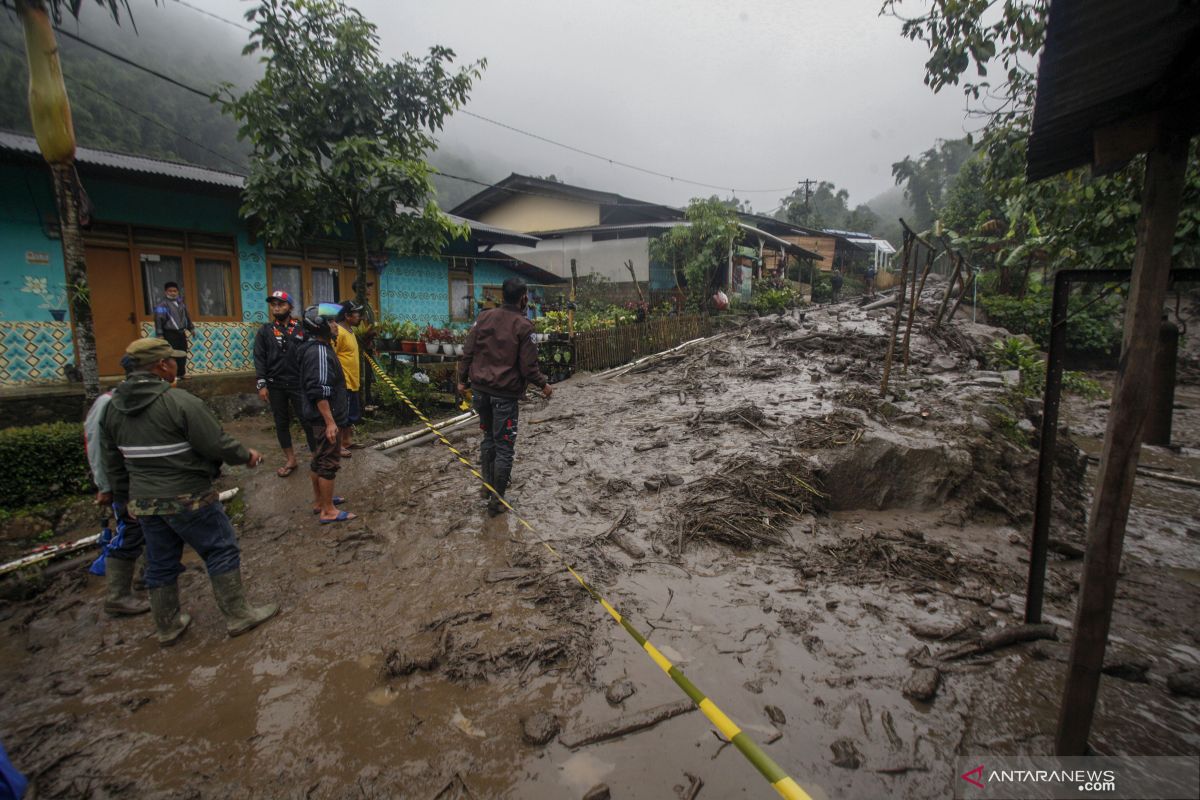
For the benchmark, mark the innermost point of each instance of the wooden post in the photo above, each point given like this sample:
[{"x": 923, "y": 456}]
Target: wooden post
[
  {"x": 571, "y": 307},
  {"x": 966, "y": 289},
  {"x": 1161, "y": 197},
  {"x": 958, "y": 263},
  {"x": 916, "y": 299},
  {"x": 891, "y": 349}
]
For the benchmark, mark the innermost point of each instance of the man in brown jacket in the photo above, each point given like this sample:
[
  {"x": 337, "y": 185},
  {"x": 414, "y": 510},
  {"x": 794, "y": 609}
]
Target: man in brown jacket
[{"x": 500, "y": 360}]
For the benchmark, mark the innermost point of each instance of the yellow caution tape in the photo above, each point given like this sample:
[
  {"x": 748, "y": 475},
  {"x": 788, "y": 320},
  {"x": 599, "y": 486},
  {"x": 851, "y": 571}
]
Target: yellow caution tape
[{"x": 785, "y": 786}]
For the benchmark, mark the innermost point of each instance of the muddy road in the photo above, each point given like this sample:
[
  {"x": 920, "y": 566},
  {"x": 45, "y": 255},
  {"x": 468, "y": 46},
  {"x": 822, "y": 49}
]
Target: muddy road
[{"x": 809, "y": 554}]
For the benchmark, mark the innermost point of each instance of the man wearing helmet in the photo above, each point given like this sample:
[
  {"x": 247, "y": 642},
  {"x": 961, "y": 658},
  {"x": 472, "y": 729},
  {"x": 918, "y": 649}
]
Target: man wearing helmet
[{"x": 324, "y": 407}]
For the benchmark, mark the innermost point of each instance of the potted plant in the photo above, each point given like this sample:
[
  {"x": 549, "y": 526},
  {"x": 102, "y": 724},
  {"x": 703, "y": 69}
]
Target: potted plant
[
  {"x": 460, "y": 341},
  {"x": 432, "y": 337},
  {"x": 407, "y": 333}
]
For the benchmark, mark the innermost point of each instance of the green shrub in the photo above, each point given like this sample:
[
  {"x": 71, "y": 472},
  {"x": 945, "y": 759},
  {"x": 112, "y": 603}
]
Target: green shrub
[
  {"x": 774, "y": 301},
  {"x": 43, "y": 462},
  {"x": 1093, "y": 326},
  {"x": 1014, "y": 353}
]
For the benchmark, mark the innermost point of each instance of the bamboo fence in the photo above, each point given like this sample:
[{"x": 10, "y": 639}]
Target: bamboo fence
[{"x": 596, "y": 350}]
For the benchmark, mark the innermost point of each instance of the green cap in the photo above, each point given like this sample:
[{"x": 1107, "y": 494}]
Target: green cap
[{"x": 147, "y": 351}]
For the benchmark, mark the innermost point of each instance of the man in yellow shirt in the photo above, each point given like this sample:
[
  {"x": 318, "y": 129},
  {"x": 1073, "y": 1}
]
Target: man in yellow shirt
[{"x": 345, "y": 344}]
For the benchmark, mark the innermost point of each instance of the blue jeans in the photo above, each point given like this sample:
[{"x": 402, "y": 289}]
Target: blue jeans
[
  {"x": 498, "y": 421},
  {"x": 207, "y": 530}
]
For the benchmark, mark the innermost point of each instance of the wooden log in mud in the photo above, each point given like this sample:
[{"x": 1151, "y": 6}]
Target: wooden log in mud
[
  {"x": 1001, "y": 638},
  {"x": 631, "y": 723}
]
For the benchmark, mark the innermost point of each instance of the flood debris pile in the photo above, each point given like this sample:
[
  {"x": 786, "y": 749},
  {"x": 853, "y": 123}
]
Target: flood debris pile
[
  {"x": 836, "y": 429},
  {"x": 748, "y": 504}
]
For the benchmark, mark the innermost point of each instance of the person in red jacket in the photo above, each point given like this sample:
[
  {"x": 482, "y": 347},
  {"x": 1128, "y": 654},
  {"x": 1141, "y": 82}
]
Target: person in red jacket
[{"x": 500, "y": 361}]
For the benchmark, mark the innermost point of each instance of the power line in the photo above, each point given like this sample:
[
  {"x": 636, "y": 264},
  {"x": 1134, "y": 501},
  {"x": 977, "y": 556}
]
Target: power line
[
  {"x": 615, "y": 162},
  {"x": 85, "y": 85},
  {"x": 208, "y": 13},
  {"x": 135, "y": 65},
  {"x": 514, "y": 129}
]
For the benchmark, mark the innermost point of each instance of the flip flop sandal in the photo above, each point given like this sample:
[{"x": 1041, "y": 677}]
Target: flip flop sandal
[
  {"x": 343, "y": 516},
  {"x": 346, "y": 453},
  {"x": 337, "y": 501},
  {"x": 285, "y": 470}
]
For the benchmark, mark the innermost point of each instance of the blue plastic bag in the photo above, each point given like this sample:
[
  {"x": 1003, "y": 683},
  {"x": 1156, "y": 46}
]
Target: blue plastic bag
[{"x": 12, "y": 783}]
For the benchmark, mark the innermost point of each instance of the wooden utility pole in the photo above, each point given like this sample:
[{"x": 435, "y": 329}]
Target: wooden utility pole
[
  {"x": 633, "y": 276},
  {"x": 1161, "y": 198},
  {"x": 571, "y": 307}
]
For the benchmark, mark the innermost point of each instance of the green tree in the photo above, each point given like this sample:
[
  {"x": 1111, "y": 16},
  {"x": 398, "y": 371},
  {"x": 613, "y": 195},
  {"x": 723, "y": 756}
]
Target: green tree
[
  {"x": 1072, "y": 220},
  {"x": 698, "y": 251},
  {"x": 338, "y": 136},
  {"x": 927, "y": 178},
  {"x": 826, "y": 207}
]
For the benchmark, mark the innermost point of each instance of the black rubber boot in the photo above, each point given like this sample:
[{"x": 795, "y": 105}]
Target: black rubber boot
[
  {"x": 495, "y": 507},
  {"x": 168, "y": 619},
  {"x": 487, "y": 468},
  {"x": 240, "y": 616},
  {"x": 120, "y": 602}
]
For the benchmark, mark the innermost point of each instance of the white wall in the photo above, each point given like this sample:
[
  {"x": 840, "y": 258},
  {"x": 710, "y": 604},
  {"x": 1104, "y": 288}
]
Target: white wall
[{"x": 606, "y": 258}]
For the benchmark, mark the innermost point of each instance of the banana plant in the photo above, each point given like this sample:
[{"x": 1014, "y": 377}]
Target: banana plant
[{"x": 50, "y": 114}]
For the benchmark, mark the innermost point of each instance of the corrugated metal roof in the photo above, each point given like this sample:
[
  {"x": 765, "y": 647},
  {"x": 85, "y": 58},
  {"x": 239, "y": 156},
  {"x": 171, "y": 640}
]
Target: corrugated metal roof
[
  {"x": 1105, "y": 61},
  {"x": 496, "y": 233},
  {"x": 679, "y": 223},
  {"x": 21, "y": 143},
  {"x": 524, "y": 185}
]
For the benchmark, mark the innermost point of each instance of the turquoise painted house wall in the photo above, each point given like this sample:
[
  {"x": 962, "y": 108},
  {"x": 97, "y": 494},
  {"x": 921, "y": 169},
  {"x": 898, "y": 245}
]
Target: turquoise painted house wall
[
  {"x": 417, "y": 289},
  {"x": 34, "y": 347}
]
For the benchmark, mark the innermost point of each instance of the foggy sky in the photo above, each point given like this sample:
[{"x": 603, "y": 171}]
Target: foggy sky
[{"x": 746, "y": 95}]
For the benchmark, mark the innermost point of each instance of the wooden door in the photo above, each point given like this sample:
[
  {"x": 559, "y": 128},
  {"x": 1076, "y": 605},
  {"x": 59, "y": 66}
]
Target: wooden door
[
  {"x": 349, "y": 275},
  {"x": 113, "y": 298}
]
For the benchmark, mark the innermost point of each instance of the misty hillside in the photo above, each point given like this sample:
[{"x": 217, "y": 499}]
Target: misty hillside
[
  {"x": 117, "y": 107},
  {"x": 890, "y": 205}
]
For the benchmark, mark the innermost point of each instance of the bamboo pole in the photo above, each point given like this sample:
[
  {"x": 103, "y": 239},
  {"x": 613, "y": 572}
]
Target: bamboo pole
[
  {"x": 891, "y": 350},
  {"x": 55, "y": 551},
  {"x": 967, "y": 285},
  {"x": 916, "y": 300},
  {"x": 958, "y": 263}
]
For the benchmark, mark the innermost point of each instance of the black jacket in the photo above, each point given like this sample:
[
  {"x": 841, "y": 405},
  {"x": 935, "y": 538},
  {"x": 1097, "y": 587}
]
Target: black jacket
[
  {"x": 276, "y": 356},
  {"x": 321, "y": 378}
]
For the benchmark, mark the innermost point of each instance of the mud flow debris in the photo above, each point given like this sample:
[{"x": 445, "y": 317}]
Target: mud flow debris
[{"x": 844, "y": 572}]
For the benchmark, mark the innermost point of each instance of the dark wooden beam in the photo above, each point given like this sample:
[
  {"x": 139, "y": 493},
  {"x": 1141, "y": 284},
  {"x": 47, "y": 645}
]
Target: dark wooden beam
[
  {"x": 1114, "y": 145},
  {"x": 1162, "y": 195}
]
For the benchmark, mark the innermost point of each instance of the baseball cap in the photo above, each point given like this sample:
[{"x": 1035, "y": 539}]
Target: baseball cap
[
  {"x": 147, "y": 351},
  {"x": 279, "y": 294}
]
